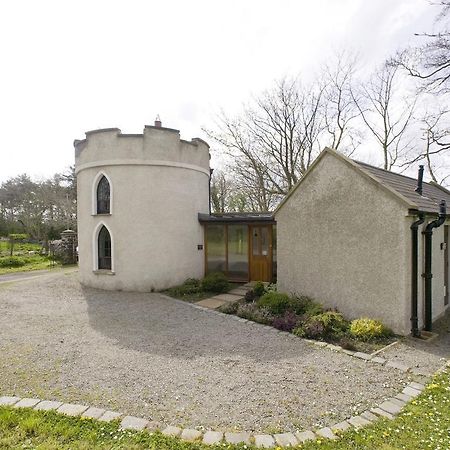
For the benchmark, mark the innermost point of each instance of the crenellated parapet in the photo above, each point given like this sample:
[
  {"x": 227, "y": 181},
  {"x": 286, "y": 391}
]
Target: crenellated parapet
[{"x": 155, "y": 146}]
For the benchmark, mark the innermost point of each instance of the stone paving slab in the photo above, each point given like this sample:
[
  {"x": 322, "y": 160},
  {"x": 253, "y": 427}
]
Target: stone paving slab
[
  {"x": 390, "y": 407},
  {"x": 411, "y": 391},
  {"x": 133, "y": 423},
  {"x": 398, "y": 402},
  {"x": 108, "y": 416},
  {"x": 285, "y": 439},
  {"x": 264, "y": 441},
  {"x": 238, "y": 291},
  {"x": 190, "y": 435},
  {"x": 418, "y": 386},
  {"x": 171, "y": 431},
  {"x": 382, "y": 413},
  {"x": 341, "y": 426},
  {"x": 70, "y": 409},
  {"x": 403, "y": 397},
  {"x": 154, "y": 425},
  {"x": 326, "y": 432},
  {"x": 369, "y": 416},
  {"x": 358, "y": 421},
  {"x": 362, "y": 355},
  {"x": 47, "y": 405},
  {"x": 212, "y": 437},
  {"x": 305, "y": 436},
  {"x": 378, "y": 360},
  {"x": 8, "y": 401},
  {"x": 230, "y": 298},
  {"x": 93, "y": 413},
  {"x": 27, "y": 403},
  {"x": 237, "y": 438},
  {"x": 211, "y": 303}
]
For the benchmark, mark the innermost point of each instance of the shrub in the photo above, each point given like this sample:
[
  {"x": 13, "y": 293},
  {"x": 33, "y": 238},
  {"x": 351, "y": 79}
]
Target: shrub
[
  {"x": 215, "y": 282},
  {"x": 300, "y": 304},
  {"x": 313, "y": 309},
  {"x": 347, "y": 344},
  {"x": 275, "y": 302},
  {"x": 366, "y": 329},
  {"x": 229, "y": 308},
  {"x": 287, "y": 322},
  {"x": 12, "y": 261},
  {"x": 249, "y": 296},
  {"x": 259, "y": 289},
  {"x": 192, "y": 282},
  {"x": 252, "y": 312},
  {"x": 313, "y": 329},
  {"x": 333, "y": 322}
]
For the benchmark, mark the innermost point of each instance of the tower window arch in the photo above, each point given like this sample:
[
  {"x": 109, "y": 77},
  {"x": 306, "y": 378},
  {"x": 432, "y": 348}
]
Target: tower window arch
[
  {"x": 104, "y": 249},
  {"x": 103, "y": 196}
]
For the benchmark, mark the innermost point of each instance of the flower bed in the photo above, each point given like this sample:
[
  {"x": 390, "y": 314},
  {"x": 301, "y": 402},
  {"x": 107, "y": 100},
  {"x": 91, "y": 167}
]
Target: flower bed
[{"x": 306, "y": 318}]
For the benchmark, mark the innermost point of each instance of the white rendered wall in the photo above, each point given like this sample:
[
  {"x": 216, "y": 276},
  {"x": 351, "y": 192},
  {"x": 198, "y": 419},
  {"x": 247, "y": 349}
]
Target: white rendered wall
[{"x": 159, "y": 185}]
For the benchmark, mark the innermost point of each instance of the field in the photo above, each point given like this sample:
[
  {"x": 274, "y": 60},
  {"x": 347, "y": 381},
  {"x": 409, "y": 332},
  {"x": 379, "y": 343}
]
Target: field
[{"x": 25, "y": 257}]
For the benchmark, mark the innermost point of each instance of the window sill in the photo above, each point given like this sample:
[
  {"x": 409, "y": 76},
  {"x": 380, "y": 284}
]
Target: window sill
[
  {"x": 101, "y": 214},
  {"x": 103, "y": 272}
]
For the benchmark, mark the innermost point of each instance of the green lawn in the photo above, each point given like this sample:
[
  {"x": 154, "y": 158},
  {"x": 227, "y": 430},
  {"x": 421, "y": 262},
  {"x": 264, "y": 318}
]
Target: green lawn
[
  {"x": 424, "y": 424},
  {"x": 33, "y": 261}
]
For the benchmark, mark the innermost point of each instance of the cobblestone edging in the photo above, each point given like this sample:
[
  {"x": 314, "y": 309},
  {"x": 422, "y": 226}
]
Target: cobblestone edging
[{"x": 387, "y": 409}]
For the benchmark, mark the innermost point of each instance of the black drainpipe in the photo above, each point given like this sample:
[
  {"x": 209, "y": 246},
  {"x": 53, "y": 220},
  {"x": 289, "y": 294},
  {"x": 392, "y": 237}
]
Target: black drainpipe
[
  {"x": 210, "y": 177},
  {"x": 428, "y": 275},
  {"x": 414, "y": 274}
]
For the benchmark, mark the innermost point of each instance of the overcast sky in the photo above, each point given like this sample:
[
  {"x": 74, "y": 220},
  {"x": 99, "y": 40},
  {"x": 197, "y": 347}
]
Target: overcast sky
[{"x": 69, "y": 67}]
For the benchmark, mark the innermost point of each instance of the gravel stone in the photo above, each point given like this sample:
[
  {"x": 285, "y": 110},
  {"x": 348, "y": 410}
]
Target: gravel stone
[
  {"x": 378, "y": 360},
  {"x": 27, "y": 403},
  {"x": 305, "y": 436},
  {"x": 133, "y": 423},
  {"x": 8, "y": 401},
  {"x": 144, "y": 354},
  {"x": 47, "y": 405},
  {"x": 264, "y": 441},
  {"x": 285, "y": 439},
  {"x": 70, "y": 409},
  {"x": 93, "y": 413},
  {"x": 212, "y": 437},
  {"x": 237, "y": 438},
  {"x": 190, "y": 435},
  {"x": 398, "y": 365}
]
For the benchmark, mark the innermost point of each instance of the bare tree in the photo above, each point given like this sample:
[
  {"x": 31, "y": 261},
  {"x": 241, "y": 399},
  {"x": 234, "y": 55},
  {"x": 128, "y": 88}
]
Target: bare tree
[
  {"x": 430, "y": 62},
  {"x": 386, "y": 113}
]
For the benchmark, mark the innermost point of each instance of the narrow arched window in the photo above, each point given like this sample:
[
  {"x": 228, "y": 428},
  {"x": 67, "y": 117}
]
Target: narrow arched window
[
  {"x": 103, "y": 196},
  {"x": 104, "y": 249}
]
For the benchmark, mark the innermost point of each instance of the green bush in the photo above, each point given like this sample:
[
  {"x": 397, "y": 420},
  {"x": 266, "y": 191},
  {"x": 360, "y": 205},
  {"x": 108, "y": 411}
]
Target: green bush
[
  {"x": 215, "y": 282},
  {"x": 251, "y": 311},
  {"x": 302, "y": 304},
  {"x": 333, "y": 322},
  {"x": 229, "y": 308},
  {"x": 276, "y": 302},
  {"x": 366, "y": 329},
  {"x": 12, "y": 261},
  {"x": 259, "y": 289},
  {"x": 192, "y": 282}
]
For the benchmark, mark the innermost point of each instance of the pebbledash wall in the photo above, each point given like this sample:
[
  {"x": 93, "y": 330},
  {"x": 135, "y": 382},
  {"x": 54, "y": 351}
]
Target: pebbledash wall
[{"x": 159, "y": 183}]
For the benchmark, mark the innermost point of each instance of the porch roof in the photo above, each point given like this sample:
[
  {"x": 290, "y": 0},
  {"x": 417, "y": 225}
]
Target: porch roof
[{"x": 234, "y": 217}]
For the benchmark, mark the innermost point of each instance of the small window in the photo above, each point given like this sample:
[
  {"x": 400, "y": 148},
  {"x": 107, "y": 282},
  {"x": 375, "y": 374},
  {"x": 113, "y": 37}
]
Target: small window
[
  {"x": 104, "y": 249},
  {"x": 103, "y": 196}
]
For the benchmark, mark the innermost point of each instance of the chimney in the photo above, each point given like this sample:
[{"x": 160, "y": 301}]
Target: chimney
[
  {"x": 158, "y": 122},
  {"x": 420, "y": 181}
]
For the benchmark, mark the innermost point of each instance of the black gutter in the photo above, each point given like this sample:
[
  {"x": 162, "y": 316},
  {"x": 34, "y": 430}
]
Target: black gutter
[
  {"x": 414, "y": 274},
  {"x": 209, "y": 188},
  {"x": 428, "y": 275}
]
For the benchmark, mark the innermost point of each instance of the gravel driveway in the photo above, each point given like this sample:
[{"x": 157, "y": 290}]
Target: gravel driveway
[{"x": 151, "y": 356}]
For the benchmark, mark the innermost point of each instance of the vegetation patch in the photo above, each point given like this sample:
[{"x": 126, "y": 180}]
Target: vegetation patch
[
  {"x": 307, "y": 318},
  {"x": 193, "y": 289}
]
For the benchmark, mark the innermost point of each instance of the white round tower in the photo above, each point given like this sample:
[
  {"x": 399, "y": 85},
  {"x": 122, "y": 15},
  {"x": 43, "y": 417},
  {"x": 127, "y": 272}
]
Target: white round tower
[{"x": 139, "y": 196}]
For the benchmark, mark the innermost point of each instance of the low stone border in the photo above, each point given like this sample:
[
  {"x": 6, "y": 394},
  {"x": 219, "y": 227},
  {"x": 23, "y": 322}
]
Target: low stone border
[{"x": 387, "y": 409}]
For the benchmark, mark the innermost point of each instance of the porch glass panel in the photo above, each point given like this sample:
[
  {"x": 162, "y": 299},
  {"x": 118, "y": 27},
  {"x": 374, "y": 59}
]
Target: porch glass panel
[
  {"x": 238, "y": 252},
  {"x": 215, "y": 248}
]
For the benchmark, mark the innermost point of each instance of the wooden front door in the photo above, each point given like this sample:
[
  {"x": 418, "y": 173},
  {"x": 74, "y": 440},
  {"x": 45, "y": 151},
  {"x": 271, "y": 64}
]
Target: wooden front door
[
  {"x": 446, "y": 251},
  {"x": 261, "y": 252}
]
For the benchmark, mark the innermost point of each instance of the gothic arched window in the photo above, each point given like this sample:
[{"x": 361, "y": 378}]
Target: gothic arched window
[
  {"x": 104, "y": 249},
  {"x": 103, "y": 196}
]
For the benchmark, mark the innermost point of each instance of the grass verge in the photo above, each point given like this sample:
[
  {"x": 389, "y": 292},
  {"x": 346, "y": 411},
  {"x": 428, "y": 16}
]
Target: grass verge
[{"x": 424, "y": 424}]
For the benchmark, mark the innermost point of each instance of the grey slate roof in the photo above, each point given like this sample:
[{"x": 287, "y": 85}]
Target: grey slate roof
[
  {"x": 405, "y": 186},
  {"x": 237, "y": 217}
]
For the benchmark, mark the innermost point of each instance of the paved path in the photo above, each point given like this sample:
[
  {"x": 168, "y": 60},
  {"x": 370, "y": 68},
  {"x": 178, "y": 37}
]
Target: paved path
[{"x": 167, "y": 360}]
